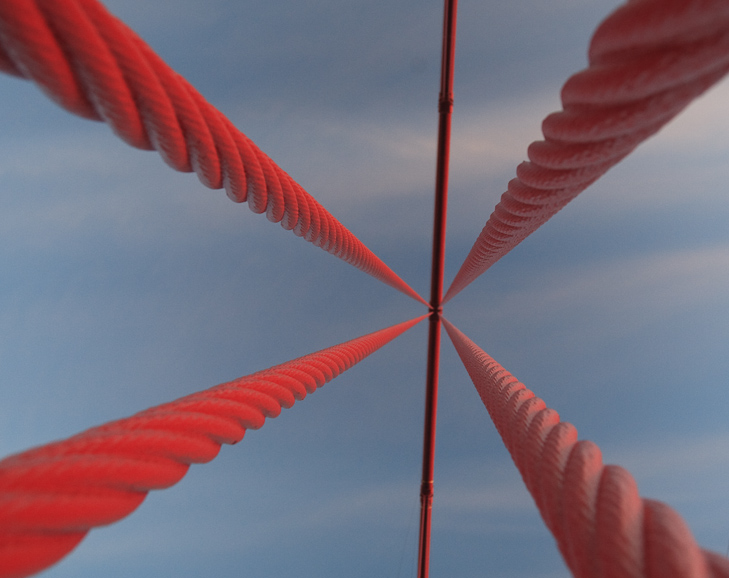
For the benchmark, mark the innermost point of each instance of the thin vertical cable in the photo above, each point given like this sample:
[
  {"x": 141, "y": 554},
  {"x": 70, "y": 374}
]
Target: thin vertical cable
[{"x": 445, "y": 107}]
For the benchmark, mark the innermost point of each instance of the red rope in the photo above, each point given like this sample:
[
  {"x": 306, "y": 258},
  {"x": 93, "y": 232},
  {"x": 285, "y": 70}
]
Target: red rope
[
  {"x": 602, "y": 526},
  {"x": 51, "y": 496},
  {"x": 93, "y": 65},
  {"x": 648, "y": 60}
]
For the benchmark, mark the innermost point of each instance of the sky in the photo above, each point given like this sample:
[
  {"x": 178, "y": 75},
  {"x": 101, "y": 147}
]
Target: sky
[{"x": 125, "y": 285}]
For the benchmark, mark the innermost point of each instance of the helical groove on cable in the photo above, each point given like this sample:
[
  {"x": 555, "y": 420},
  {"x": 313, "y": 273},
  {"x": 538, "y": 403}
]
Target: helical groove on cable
[
  {"x": 647, "y": 61},
  {"x": 51, "y": 496},
  {"x": 602, "y": 526},
  {"x": 93, "y": 65}
]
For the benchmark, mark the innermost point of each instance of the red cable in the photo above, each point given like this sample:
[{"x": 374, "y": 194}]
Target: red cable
[
  {"x": 440, "y": 210},
  {"x": 93, "y": 65},
  {"x": 51, "y": 496},
  {"x": 602, "y": 526},
  {"x": 648, "y": 61}
]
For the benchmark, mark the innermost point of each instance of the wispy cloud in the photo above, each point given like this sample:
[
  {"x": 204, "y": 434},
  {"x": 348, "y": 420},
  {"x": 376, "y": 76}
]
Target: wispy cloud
[
  {"x": 684, "y": 165},
  {"x": 92, "y": 183},
  {"x": 702, "y": 128},
  {"x": 494, "y": 138},
  {"x": 702, "y": 461},
  {"x": 376, "y": 157},
  {"x": 620, "y": 294}
]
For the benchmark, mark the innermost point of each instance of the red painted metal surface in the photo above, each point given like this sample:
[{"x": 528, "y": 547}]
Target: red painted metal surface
[{"x": 445, "y": 107}]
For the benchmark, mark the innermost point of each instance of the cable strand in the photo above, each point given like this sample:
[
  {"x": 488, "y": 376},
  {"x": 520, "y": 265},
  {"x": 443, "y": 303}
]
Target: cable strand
[
  {"x": 90, "y": 63},
  {"x": 648, "y": 60},
  {"x": 51, "y": 496},
  {"x": 601, "y": 524}
]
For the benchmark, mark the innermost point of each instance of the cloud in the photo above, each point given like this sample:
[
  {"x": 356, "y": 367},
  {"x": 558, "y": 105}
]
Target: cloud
[
  {"x": 90, "y": 153},
  {"x": 621, "y": 294},
  {"x": 683, "y": 166},
  {"x": 338, "y": 157},
  {"x": 493, "y": 138},
  {"x": 689, "y": 473},
  {"x": 456, "y": 498},
  {"x": 70, "y": 186},
  {"x": 702, "y": 128},
  {"x": 697, "y": 457}
]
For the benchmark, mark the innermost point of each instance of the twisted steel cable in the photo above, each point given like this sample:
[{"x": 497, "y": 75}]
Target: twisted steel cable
[
  {"x": 93, "y": 65},
  {"x": 51, "y": 496},
  {"x": 602, "y": 526},
  {"x": 647, "y": 61}
]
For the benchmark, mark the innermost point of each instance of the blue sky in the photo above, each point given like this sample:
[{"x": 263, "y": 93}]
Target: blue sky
[{"x": 126, "y": 284}]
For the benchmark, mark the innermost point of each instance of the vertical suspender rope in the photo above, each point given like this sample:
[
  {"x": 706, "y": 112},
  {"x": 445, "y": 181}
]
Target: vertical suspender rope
[{"x": 445, "y": 107}]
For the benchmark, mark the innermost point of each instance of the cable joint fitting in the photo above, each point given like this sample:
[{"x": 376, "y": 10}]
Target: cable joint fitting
[
  {"x": 435, "y": 311},
  {"x": 426, "y": 489},
  {"x": 445, "y": 105}
]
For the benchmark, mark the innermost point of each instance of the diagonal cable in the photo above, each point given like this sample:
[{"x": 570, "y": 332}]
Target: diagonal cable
[
  {"x": 602, "y": 526},
  {"x": 51, "y": 496},
  {"x": 647, "y": 61},
  {"x": 93, "y": 65}
]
